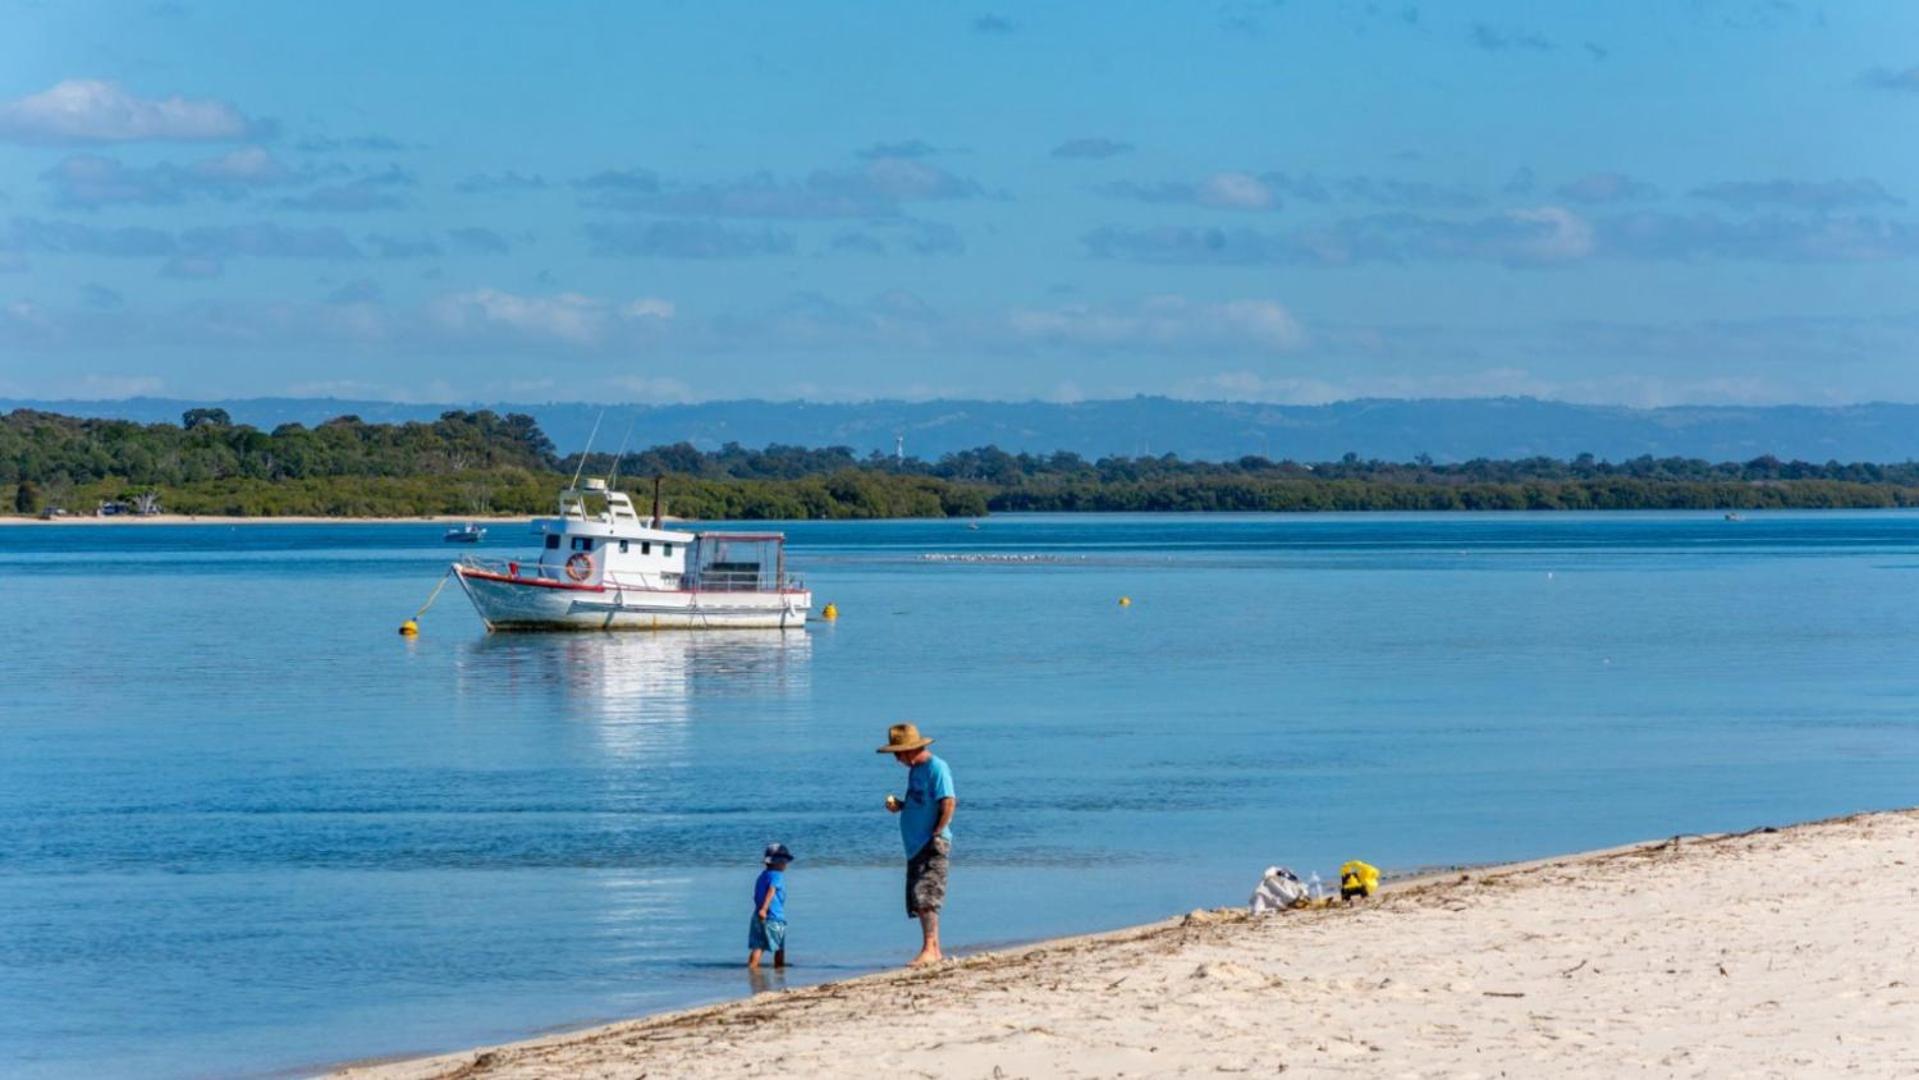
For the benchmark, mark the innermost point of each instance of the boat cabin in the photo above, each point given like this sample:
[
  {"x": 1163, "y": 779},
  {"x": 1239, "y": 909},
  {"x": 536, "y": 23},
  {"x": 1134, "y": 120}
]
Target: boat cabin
[{"x": 599, "y": 539}]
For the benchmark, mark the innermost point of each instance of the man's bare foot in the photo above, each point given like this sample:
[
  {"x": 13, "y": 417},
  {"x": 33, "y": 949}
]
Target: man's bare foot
[{"x": 927, "y": 956}]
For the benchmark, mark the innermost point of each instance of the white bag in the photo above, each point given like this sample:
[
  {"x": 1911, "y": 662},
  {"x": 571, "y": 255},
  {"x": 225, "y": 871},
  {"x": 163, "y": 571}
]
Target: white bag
[{"x": 1278, "y": 890}]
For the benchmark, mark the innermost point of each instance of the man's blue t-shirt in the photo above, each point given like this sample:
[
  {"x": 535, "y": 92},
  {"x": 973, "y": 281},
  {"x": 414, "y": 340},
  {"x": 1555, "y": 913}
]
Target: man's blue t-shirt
[
  {"x": 928, "y": 783},
  {"x": 776, "y": 881}
]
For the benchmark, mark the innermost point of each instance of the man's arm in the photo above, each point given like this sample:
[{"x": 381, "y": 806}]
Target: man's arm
[{"x": 946, "y": 813}]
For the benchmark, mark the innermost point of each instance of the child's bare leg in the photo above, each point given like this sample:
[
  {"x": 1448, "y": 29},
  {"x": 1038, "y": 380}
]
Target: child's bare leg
[
  {"x": 753, "y": 959},
  {"x": 779, "y": 958}
]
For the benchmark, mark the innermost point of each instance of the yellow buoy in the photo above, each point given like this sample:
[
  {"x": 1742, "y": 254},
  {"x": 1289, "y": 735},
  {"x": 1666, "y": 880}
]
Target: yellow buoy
[
  {"x": 830, "y": 612},
  {"x": 409, "y": 628},
  {"x": 1125, "y": 601}
]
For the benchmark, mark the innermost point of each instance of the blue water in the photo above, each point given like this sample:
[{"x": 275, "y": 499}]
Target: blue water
[{"x": 244, "y": 827}]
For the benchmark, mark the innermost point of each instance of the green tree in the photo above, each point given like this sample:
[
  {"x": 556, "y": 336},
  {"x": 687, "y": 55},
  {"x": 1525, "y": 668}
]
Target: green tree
[{"x": 193, "y": 418}]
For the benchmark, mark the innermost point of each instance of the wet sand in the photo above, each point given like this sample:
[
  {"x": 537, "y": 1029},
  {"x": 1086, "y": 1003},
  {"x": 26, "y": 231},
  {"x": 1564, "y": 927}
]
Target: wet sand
[{"x": 1790, "y": 952}]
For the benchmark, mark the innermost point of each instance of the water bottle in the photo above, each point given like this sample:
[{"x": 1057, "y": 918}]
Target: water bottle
[{"x": 1314, "y": 889}]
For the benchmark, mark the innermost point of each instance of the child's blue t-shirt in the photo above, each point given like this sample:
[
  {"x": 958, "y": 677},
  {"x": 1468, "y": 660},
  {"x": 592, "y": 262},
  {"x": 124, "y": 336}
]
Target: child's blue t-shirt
[
  {"x": 776, "y": 881},
  {"x": 928, "y": 783}
]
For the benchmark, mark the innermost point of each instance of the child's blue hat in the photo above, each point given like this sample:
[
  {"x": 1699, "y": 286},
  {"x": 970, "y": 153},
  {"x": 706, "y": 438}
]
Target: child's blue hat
[{"x": 777, "y": 853}]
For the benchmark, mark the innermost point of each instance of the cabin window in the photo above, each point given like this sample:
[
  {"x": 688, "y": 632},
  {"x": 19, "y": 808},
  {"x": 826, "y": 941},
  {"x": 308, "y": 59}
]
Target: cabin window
[
  {"x": 622, "y": 547},
  {"x": 552, "y": 542},
  {"x": 582, "y": 543},
  {"x": 646, "y": 547},
  {"x": 666, "y": 550}
]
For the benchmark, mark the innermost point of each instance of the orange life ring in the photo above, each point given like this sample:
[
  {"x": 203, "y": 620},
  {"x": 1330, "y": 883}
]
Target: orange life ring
[{"x": 579, "y": 566}]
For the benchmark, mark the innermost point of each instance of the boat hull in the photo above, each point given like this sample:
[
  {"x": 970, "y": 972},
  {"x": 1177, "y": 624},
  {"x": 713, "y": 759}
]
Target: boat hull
[{"x": 512, "y": 603}]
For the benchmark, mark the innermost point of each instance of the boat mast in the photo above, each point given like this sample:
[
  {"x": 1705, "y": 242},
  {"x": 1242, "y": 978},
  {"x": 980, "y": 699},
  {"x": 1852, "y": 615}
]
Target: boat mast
[
  {"x": 657, "y": 477},
  {"x": 589, "y": 449},
  {"x": 615, "y": 470}
]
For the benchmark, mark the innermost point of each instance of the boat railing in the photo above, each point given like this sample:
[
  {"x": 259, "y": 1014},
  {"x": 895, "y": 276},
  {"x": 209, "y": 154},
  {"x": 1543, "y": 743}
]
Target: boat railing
[
  {"x": 720, "y": 578},
  {"x": 513, "y": 568}
]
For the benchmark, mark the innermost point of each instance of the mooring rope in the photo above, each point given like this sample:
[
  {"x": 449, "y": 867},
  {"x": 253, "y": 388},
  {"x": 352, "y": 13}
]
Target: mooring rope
[{"x": 435, "y": 595}]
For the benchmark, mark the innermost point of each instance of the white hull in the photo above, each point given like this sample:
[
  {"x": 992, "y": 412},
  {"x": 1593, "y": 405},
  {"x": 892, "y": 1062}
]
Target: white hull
[{"x": 514, "y": 603}]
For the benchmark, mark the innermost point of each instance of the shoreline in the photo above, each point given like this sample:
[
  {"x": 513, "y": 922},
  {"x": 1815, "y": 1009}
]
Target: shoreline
[
  {"x": 230, "y": 519},
  {"x": 1712, "y": 955},
  {"x": 7, "y": 520}
]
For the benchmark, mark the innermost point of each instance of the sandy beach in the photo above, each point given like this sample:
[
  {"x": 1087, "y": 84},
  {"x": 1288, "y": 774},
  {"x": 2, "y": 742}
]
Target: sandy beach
[{"x": 1786, "y": 952}]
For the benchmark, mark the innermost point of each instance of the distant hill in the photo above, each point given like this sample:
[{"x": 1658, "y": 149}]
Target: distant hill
[{"x": 1396, "y": 430}]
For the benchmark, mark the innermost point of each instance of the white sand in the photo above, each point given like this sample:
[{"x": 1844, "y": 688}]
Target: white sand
[{"x": 1793, "y": 953}]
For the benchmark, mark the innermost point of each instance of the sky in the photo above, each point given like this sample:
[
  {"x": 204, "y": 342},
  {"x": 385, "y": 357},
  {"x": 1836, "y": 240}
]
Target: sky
[{"x": 1695, "y": 201}]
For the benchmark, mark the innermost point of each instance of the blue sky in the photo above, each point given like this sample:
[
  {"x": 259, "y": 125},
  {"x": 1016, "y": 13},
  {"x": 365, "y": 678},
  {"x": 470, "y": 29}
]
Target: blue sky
[{"x": 1697, "y": 201}]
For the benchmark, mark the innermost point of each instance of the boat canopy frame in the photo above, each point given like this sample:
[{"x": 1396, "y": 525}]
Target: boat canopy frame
[{"x": 738, "y": 562}]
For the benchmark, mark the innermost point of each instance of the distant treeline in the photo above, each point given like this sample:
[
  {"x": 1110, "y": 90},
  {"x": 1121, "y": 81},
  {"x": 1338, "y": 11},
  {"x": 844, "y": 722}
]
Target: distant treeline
[
  {"x": 480, "y": 462},
  {"x": 991, "y": 465},
  {"x": 1069, "y": 482},
  {"x": 463, "y": 463}
]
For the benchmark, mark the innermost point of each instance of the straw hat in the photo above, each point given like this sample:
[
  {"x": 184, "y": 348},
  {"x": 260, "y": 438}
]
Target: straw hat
[{"x": 902, "y": 738}]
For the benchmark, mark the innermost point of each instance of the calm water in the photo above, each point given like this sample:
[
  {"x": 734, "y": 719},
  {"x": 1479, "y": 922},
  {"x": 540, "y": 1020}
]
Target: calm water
[{"x": 244, "y": 827}]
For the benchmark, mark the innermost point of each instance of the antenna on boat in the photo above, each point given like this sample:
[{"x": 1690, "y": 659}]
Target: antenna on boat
[
  {"x": 589, "y": 449},
  {"x": 615, "y": 470},
  {"x": 657, "y": 477}
]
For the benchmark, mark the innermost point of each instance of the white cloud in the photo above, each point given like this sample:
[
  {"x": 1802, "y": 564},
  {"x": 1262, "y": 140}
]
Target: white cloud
[
  {"x": 1540, "y": 236},
  {"x": 430, "y": 392},
  {"x": 1566, "y": 236},
  {"x": 249, "y": 164},
  {"x": 647, "y": 307},
  {"x": 29, "y": 316},
  {"x": 91, "y": 180},
  {"x": 94, "y": 110},
  {"x": 1163, "y": 322},
  {"x": 98, "y": 387},
  {"x": 652, "y": 389},
  {"x": 1250, "y": 349},
  {"x": 1287, "y": 389},
  {"x": 569, "y": 318},
  {"x": 1236, "y": 191}
]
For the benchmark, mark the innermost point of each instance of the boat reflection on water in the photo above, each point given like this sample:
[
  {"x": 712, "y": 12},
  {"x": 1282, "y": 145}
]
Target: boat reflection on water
[{"x": 640, "y": 688}]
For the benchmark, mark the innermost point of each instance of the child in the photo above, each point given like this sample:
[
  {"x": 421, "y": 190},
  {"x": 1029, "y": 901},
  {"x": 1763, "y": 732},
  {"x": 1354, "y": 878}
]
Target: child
[{"x": 768, "y": 930}]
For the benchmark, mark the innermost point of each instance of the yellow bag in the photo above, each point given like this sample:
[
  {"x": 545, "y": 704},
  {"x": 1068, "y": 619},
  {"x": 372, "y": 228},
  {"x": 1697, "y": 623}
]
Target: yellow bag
[{"x": 1359, "y": 877}]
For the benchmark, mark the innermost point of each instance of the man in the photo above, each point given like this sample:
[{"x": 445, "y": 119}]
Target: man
[{"x": 926, "y": 818}]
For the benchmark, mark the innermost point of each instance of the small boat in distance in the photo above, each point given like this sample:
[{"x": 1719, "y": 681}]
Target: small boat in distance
[
  {"x": 468, "y": 533},
  {"x": 1734, "y": 515},
  {"x": 601, "y": 566}
]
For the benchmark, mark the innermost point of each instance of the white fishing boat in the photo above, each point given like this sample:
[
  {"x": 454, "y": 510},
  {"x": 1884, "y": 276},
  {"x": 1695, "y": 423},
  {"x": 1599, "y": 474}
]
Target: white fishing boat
[{"x": 602, "y": 567}]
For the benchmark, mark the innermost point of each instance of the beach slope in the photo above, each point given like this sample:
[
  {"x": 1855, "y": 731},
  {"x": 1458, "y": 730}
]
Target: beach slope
[{"x": 1773, "y": 953}]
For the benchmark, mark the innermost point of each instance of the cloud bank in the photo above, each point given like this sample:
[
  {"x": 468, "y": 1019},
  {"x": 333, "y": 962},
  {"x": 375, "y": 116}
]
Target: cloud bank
[{"x": 97, "y": 111}]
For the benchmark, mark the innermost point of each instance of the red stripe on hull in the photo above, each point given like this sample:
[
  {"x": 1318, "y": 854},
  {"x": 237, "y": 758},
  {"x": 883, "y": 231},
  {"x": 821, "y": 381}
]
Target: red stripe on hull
[{"x": 539, "y": 583}]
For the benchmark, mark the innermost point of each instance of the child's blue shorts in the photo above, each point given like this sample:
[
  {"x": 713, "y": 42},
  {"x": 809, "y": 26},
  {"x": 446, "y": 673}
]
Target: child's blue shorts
[{"x": 767, "y": 934}]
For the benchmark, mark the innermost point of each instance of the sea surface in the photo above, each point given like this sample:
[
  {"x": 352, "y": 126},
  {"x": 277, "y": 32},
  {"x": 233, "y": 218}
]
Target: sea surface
[{"x": 245, "y": 828}]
